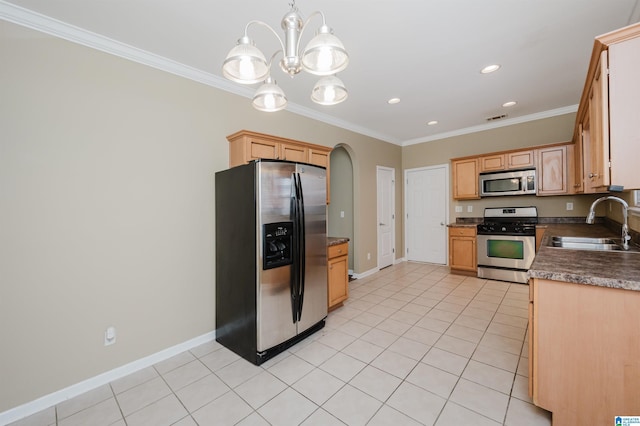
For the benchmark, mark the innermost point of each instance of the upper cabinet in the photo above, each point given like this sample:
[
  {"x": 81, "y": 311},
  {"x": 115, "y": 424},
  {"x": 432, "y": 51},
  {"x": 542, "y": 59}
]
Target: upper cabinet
[
  {"x": 552, "y": 170},
  {"x": 465, "y": 178},
  {"x": 246, "y": 146},
  {"x": 607, "y": 133},
  {"x": 507, "y": 161}
]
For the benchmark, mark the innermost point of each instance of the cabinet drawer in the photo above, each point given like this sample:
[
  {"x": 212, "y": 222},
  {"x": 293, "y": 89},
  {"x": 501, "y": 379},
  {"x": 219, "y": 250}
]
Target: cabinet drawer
[
  {"x": 338, "y": 250},
  {"x": 462, "y": 231}
]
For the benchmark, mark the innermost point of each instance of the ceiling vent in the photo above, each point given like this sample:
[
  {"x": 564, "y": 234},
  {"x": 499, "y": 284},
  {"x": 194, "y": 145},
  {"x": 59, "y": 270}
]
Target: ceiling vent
[{"x": 497, "y": 117}]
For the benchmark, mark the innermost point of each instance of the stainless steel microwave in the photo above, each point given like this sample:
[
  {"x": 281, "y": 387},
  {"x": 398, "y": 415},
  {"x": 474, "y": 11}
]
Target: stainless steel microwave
[{"x": 513, "y": 182}]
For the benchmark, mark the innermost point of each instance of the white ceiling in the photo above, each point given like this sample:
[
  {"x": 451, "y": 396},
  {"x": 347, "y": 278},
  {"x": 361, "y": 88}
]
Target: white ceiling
[{"x": 428, "y": 53}]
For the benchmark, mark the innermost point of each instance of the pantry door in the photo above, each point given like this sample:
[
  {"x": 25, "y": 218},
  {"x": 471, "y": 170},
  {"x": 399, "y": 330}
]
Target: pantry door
[
  {"x": 386, "y": 177},
  {"x": 426, "y": 213}
]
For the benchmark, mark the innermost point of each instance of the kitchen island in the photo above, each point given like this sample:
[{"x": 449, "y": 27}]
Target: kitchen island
[{"x": 584, "y": 330}]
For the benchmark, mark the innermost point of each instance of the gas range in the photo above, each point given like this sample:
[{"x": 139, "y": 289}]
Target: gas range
[
  {"x": 506, "y": 243},
  {"x": 509, "y": 221}
]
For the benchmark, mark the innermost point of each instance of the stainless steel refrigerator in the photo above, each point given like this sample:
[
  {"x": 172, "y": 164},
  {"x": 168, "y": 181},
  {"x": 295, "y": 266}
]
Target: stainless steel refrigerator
[{"x": 271, "y": 256}]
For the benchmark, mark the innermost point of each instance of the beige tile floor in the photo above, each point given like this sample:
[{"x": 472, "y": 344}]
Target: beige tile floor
[{"x": 414, "y": 345}]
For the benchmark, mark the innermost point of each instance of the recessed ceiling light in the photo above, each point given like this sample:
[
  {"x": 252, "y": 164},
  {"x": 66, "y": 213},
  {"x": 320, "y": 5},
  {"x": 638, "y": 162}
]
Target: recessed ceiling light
[
  {"x": 393, "y": 101},
  {"x": 490, "y": 68},
  {"x": 509, "y": 104},
  {"x": 432, "y": 123}
]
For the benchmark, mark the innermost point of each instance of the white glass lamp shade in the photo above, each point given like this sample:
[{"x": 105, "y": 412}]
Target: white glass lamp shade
[
  {"x": 325, "y": 54},
  {"x": 269, "y": 97},
  {"x": 245, "y": 63},
  {"x": 329, "y": 91}
]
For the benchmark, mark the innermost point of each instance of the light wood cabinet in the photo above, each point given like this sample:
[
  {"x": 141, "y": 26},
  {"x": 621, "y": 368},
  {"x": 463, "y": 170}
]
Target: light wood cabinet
[
  {"x": 583, "y": 351},
  {"x": 492, "y": 163},
  {"x": 520, "y": 159},
  {"x": 597, "y": 164},
  {"x": 465, "y": 178},
  {"x": 337, "y": 274},
  {"x": 575, "y": 167},
  {"x": 507, "y": 161},
  {"x": 552, "y": 170},
  {"x": 462, "y": 250},
  {"x": 609, "y": 112},
  {"x": 540, "y": 230},
  {"x": 466, "y": 170},
  {"x": 246, "y": 146},
  {"x": 297, "y": 153}
]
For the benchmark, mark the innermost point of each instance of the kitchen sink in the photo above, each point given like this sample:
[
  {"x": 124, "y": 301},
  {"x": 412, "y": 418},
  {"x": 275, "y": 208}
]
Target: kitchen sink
[
  {"x": 582, "y": 240},
  {"x": 586, "y": 243}
]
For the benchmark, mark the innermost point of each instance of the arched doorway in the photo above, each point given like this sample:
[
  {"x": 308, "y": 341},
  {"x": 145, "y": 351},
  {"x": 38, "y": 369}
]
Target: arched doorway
[{"x": 341, "y": 208}]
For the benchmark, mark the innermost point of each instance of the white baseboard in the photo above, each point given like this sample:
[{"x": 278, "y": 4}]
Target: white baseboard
[
  {"x": 57, "y": 397},
  {"x": 366, "y": 273},
  {"x": 402, "y": 259}
]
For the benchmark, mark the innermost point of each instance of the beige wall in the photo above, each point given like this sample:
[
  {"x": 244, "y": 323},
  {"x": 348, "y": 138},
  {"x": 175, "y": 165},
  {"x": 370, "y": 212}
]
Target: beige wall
[
  {"x": 106, "y": 207},
  {"x": 533, "y": 133}
]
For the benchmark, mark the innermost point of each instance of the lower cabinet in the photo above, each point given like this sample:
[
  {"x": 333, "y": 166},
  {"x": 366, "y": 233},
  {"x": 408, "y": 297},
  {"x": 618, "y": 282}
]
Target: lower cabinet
[
  {"x": 338, "y": 274},
  {"x": 583, "y": 351},
  {"x": 462, "y": 250}
]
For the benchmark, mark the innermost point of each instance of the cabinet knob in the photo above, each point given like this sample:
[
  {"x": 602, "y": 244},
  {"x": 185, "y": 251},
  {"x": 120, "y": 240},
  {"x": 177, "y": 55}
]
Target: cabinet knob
[
  {"x": 339, "y": 250},
  {"x": 592, "y": 175}
]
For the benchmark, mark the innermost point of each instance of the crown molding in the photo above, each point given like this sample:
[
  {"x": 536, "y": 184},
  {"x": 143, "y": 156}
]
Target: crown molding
[
  {"x": 495, "y": 124},
  {"x": 48, "y": 25}
]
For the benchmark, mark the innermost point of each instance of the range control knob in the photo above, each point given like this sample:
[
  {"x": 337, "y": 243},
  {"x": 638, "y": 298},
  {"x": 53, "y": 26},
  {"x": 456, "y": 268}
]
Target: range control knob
[{"x": 504, "y": 229}]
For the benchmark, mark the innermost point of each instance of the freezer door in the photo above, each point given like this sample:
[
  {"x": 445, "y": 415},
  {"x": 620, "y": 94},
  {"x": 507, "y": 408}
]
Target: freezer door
[
  {"x": 273, "y": 311},
  {"x": 314, "y": 189}
]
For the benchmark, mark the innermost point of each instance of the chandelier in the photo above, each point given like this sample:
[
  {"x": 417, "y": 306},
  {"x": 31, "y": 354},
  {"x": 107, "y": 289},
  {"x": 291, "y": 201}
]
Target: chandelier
[{"x": 324, "y": 56}]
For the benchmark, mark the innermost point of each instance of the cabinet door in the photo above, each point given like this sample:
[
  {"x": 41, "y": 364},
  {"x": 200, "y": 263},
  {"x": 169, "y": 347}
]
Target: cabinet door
[
  {"x": 294, "y": 153},
  {"x": 462, "y": 249},
  {"x": 491, "y": 163},
  {"x": 552, "y": 170},
  {"x": 319, "y": 157},
  {"x": 597, "y": 173},
  {"x": 338, "y": 286},
  {"x": 624, "y": 112},
  {"x": 465, "y": 179},
  {"x": 520, "y": 159},
  {"x": 462, "y": 253},
  {"x": 575, "y": 168},
  {"x": 260, "y": 148}
]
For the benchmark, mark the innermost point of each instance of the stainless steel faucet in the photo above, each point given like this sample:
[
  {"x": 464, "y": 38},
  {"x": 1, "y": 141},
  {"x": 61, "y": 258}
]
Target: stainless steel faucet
[{"x": 625, "y": 227}]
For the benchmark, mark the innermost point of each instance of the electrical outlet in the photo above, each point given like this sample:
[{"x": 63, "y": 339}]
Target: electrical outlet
[
  {"x": 368, "y": 256},
  {"x": 458, "y": 209},
  {"x": 469, "y": 209},
  {"x": 109, "y": 336},
  {"x": 341, "y": 213},
  {"x": 569, "y": 206}
]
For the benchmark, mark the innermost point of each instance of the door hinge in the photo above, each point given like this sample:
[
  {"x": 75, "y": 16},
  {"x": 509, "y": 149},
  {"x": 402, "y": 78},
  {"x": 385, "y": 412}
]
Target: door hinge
[
  {"x": 393, "y": 216},
  {"x": 393, "y": 250}
]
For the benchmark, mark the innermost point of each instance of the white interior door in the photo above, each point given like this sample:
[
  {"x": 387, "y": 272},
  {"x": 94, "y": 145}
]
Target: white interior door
[
  {"x": 427, "y": 207},
  {"x": 386, "y": 216}
]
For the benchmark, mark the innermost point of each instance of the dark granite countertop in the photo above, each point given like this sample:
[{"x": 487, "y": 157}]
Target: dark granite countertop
[
  {"x": 334, "y": 241},
  {"x": 617, "y": 269}
]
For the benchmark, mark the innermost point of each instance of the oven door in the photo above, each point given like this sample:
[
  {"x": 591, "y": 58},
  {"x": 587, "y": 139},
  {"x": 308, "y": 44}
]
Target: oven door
[{"x": 506, "y": 251}]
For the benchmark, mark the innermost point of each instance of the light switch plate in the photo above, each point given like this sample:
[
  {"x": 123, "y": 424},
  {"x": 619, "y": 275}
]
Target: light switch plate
[
  {"x": 469, "y": 209},
  {"x": 458, "y": 209}
]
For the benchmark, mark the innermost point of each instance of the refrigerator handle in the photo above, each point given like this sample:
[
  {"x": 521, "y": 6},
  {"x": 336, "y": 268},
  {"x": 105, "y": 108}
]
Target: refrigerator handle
[
  {"x": 293, "y": 285},
  {"x": 302, "y": 247}
]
